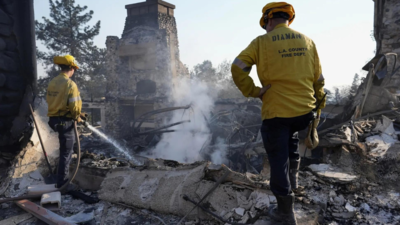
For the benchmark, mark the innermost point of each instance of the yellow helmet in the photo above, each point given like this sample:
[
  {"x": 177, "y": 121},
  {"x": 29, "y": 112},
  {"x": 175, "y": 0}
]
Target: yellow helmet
[
  {"x": 275, "y": 7},
  {"x": 68, "y": 60}
]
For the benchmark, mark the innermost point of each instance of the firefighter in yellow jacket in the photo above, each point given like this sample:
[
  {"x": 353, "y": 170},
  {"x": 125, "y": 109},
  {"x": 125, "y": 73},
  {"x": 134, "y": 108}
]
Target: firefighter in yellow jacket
[
  {"x": 64, "y": 108},
  {"x": 290, "y": 72}
]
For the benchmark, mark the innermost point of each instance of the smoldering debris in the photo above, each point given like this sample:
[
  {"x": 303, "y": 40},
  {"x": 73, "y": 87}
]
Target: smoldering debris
[
  {"x": 370, "y": 196},
  {"x": 353, "y": 181},
  {"x": 192, "y": 129}
]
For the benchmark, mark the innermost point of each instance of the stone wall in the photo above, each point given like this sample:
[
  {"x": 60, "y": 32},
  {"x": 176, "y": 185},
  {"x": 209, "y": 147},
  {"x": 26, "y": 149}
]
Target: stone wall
[
  {"x": 17, "y": 74},
  {"x": 387, "y": 32},
  {"x": 387, "y": 26},
  {"x": 17, "y": 87}
]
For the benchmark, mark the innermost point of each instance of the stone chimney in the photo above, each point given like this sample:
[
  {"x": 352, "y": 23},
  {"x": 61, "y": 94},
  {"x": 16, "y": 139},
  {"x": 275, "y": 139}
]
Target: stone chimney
[
  {"x": 142, "y": 65},
  {"x": 147, "y": 14}
]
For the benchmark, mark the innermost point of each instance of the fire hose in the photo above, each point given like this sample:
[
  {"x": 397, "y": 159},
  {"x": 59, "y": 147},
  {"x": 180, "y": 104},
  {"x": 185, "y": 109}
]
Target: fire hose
[{"x": 62, "y": 188}]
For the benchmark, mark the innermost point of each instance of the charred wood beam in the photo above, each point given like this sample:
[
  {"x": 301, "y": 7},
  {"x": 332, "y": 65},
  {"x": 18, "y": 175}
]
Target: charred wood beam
[
  {"x": 43, "y": 214},
  {"x": 160, "y": 128},
  {"x": 143, "y": 117},
  {"x": 361, "y": 118},
  {"x": 240, "y": 146}
]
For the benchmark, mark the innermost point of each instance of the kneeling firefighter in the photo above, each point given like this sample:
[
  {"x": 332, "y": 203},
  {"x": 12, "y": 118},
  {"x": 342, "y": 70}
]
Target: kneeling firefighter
[
  {"x": 64, "y": 108},
  {"x": 290, "y": 72}
]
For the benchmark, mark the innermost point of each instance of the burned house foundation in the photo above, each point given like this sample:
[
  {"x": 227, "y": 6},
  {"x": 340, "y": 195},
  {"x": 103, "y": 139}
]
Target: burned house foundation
[{"x": 351, "y": 178}]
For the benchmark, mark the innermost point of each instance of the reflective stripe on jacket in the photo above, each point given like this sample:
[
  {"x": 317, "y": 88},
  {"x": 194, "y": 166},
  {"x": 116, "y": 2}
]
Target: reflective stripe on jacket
[
  {"x": 289, "y": 62},
  {"x": 63, "y": 98}
]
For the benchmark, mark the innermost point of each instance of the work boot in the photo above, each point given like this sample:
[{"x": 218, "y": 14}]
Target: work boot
[
  {"x": 284, "y": 211},
  {"x": 294, "y": 167}
]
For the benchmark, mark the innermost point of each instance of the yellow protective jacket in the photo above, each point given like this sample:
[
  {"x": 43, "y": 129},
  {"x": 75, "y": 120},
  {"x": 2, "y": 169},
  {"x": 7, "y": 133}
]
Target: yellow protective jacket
[
  {"x": 289, "y": 62},
  {"x": 63, "y": 98}
]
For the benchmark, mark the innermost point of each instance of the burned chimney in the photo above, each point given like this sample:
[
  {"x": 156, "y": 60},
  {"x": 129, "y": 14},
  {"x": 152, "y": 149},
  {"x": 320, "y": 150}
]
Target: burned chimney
[{"x": 142, "y": 65}]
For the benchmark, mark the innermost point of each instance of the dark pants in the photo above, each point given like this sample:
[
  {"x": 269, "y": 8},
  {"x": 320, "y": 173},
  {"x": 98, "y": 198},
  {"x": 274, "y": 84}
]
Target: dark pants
[
  {"x": 66, "y": 135},
  {"x": 281, "y": 143}
]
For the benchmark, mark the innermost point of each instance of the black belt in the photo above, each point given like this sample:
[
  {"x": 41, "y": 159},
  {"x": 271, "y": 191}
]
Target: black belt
[{"x": 64, "y": 118}]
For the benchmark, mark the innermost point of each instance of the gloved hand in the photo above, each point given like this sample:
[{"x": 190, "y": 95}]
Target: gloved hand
[
  {"x": 312, "y": 139},
  {"x": 82, "y": 122},
  {"x": 83, "y": 116}
]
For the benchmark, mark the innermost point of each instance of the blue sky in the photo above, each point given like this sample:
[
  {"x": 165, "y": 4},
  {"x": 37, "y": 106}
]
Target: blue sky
[{"x": 218, "y": 30}]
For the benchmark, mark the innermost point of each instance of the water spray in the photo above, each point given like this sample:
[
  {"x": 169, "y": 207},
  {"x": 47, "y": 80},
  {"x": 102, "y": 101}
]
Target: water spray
[{"x": 115, "y": 143}]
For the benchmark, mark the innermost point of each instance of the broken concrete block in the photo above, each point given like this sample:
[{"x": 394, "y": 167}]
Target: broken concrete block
[
  {"x": 36, "y": 175},
  {"x": 260, "y": 199},
  {"x": 41, "y": 189},
  {"x": 240, "y": 211},
  {"x": 243, "y": 202},
  {"x": 350, "y": 208},
  {"x": 51, "y": 200},
  {"x": 365, "y": 207}
]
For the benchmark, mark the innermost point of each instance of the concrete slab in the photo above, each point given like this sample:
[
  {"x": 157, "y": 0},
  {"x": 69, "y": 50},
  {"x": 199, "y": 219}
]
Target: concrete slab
[
  {"x": 51, "y": 200},
  {"x": 41, "y": 189},
  {"x": 159, "y": 190},
  {"x": 162, "y": 191}
]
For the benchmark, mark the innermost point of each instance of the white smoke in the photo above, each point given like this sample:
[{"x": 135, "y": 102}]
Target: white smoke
[
  {"x": 185, "y": 144},
  {"x": 49, "y": 137},
  {"x": 220, "y": 152}
]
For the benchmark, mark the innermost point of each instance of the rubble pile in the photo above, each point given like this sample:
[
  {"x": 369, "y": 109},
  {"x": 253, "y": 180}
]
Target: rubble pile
[
  {"x": 356, "y": 180},
  {"x": 353, "y": 182}
]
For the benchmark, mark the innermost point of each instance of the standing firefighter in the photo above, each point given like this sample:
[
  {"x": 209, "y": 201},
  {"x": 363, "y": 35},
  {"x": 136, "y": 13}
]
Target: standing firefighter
[
  {"x": 65, "y": 106},
  {"x": 290, "y": 73}
]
